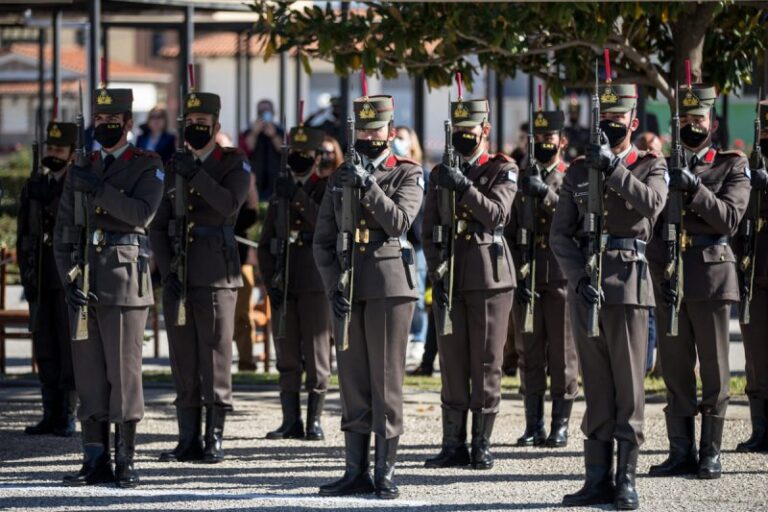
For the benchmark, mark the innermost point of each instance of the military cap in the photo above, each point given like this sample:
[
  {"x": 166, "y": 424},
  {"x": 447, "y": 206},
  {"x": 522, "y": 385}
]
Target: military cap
[
  {"x": 617, "y": 97},
  {"x": 469, "y": 113},
  {"x": 112, "y": 101},
  {"x": 202, "y": 103},
  {"x": 61, "y": 134},
  {"x": 764, "y": 114},
  {"x": 697, "y": 99},
  {"x": 548, "y": 121},
  {"x": 374, "y": 112},
  {"x": 303, "y": 138}
]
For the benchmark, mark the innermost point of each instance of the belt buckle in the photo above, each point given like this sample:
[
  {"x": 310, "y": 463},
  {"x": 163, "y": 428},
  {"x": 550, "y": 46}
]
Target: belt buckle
[
  {"x": 760, "y": 224},
  {"x": 461, "y": 226},
  {"x": 46, "y": 238},
  {"x": 98, "y": 237},
  {"x": 293, "y": 235},
  {"x": 685, "y": 241},
  {"x": 362, "y": 236}
]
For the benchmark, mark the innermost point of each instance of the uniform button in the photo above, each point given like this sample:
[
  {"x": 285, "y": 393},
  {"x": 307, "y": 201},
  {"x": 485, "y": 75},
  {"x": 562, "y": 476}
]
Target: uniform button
[
  {"x": 467, "y": 237},
  {"x": 298, "y": 222},
  {"x": 301, "y": 209},
  {"x": 189, "y": 208},
  {"x": 455, "y": 237},
  {"x": 298, "y": 203},
  {"x": 464, "y": 215},
  {"x": 192, "y": 190},
  {"x": 362, "y": 248},
  {"x": 362, "y": 222},
  {"x": 543, "y": 221},
  {"x": 98, "y": 248},
  {"x": 722, "y": 257},
  {"x": 300, "y": 243},
  {"x": 191, "y": 239},
  {"x": 605, "y": 212}
]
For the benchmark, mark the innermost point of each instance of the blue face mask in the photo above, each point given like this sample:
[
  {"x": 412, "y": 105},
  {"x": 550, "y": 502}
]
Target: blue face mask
[
  {"x": 400, "y": 147},
  {"x": 266, "y": 116}
]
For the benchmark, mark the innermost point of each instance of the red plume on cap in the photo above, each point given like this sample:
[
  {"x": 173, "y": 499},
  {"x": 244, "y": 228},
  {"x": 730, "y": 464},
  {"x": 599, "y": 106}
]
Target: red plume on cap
[
  {"x": 103, "y": 76},
  {"x": 458, "y": 83},
  {"x": 688, "y": 72},
  {"x": 301, "y": 112},
  {"x": 55, "y": 112},
  {"x": 363, "y": 82},
  {"x": 191, "y": 72},
  {"x": 541, "y": 99},
  {"x": 607, "y": 58}
]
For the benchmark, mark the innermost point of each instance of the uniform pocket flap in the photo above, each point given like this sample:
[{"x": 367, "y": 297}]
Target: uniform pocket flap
[
  {"x": 718, "y": 254},
  {"x": 387, "y": 251},
  {"x": 127, "y": 253}
]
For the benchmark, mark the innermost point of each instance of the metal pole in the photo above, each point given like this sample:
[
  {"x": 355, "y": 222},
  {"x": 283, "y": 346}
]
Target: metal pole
[
  {"x": 238, "y": 83},
  {"x": 94, "y": 35},
  {"x": 248, "y": 99},
  {"x": 344, "y": 88},
  {"x": 298, "y": 84},
  {"x": 40, "y": 75},
  {"x": 418, "y": 107},
  {"x": 281, "y": 84},
  {"x": 56, "y": 54},
  {"x": 499, "y": 113},
  {"x": 186, "y": 38},
  {"x": 105, "y": 51}
]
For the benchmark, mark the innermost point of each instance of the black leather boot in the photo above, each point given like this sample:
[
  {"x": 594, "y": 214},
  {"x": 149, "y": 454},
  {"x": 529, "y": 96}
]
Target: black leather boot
[
  {"x": 454, "y": 451},
  {"x": 482, "y": 428},
  {"x": 190, "y": 443},
  {"x": 598, "y": 486},
  {"x": 97, "y": 466},
  {"x": 709, "y": 450},
  {"x": 356, "y": 478},
  {"x": 683, "y": 458},
  {"x": 213, "y": 452},
  {"x": 126, "y": 476},
  {"x": 315, "y": 403},
  {"x": 384, "y": 468},
  {"x": 534, "y": 434},
  {"x": 626, "y": 469},
  {"x": 561, "y": 415},
  {"x": 50, "y": 405},
  {"x": 65, "y": 418},
  {"x": 758, "y": 441},
  {"x": 292, "y": 427}
]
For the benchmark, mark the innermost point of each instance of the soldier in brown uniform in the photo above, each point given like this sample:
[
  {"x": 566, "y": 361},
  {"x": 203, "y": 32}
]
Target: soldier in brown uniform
[
  {"x": 754, "y": 333},
  {"x": 612, "y": 364},
  {"x": 484, "y": 278},
  {"x": 550, "y": 348},
  {"x": 715, "y": 195},
  {"x": 371, "y": 370},
  {"x": 306, "y": 344},
  {"x": 42, "y": 285},
  {"x": 201, "y": 349},
  {"x": 123, "y": 186}
]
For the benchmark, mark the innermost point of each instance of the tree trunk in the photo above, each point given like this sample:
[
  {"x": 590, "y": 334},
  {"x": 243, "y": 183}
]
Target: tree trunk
[{"x": 688, "y": 33}]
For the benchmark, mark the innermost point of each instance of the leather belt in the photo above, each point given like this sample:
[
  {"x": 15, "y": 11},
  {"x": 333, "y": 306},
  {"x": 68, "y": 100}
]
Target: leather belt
[
  {"x": 707, "y": 240},
  {"x": 370, "y": 236},
  {"x": 638, "y": 247},
  {"x": 101, "y": 237},
  {"x": 206, "y": 231}
]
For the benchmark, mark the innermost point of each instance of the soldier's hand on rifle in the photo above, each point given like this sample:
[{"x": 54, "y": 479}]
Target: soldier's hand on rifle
[
  {"x": 439, "y": 293},
  {"x": 533, "y": 186},
  {"x": 40, "y": 190},
  {"x": 669, "y": 292},
  {"x": 285, "y": 187},
  {"x": 30, "y": 293},
  {"x": 85, "y": 180},
  {"x": 683, "y": 179},
  {"x": 76, "y": 298},
  {"x": 173, "y": 286},
  {"x": 759, "y": 179},
  {"x": 524, "y": 296},
  {"x": 452, "y": 179},
  {"x": 355, "y": 176},
  {"x": 601, "y": 157},
  {"x": 588, "y": 292},
  {"x": 275, "y": 297},
  {"x": 340, "y": 304},
  {"x": 186, "y": 165}
]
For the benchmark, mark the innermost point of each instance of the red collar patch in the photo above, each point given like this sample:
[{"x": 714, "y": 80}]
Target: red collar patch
[
  {"x": 710, "y": 156},
  {"x": 483, "y": 159},
  {"x": 217, "y": 152},
  {"x": 314, "y": 178},
  {"x": 127, "y": 154},
  {"x": 561, "y": 167},
  {"x": 631, "y": 158},
  {"x": 391, "y": 161}
]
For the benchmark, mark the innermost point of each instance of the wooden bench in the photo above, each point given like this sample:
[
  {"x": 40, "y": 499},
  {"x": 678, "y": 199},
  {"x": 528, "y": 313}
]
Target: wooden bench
[{"x": 14, "y": 318}]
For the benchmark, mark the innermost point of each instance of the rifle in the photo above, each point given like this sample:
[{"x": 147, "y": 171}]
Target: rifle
[
  {"x": 282, "y": 243},
  {"x": 750, "y": 226},
  {"x": 443, "y": 234},
  {"x": 180, "y": 220},
  {"x": 35, "y": 237},
  {"x": 673, "y": 233},
  {"x": 593, "y": 220},
  {"x": 80, "y": 274},
  {"x": 346, "y": 240},
  {"x": 526, "y": 236}
]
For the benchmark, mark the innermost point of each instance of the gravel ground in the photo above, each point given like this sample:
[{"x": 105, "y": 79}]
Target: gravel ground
[{"x": 284, "y": 475}]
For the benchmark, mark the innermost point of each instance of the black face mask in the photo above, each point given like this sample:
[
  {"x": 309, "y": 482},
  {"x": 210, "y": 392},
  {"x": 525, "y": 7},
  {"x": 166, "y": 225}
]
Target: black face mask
[
  {"x": 764, "y": 147},
  {"x": 616, "y": 132},
  {"x": 370, "y": 148},
  {"x": 544, "y": 152},
  {"x": 108, "y": 134},
  {"x": 53, "y": 163},
  {"x": 197, "y": 135},
  {"x": 693, "y": 135},
  {"x": 300, "y": 163},
  {"x": 327, "y": 161},
  {"x": 465, "y": 142}
]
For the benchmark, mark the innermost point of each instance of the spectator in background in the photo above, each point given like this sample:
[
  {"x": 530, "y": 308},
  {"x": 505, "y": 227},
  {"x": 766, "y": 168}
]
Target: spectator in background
[
  {"x": 330, "y": 157},
  {"x": 224, "y": 140},
  {"x": 261, "y": 143},
  {"x": 649, "y": 141},
  {"x": 520, "y": 153},
  {"x": 154, "y": 134},
  {"x": 328, "y": 117}
]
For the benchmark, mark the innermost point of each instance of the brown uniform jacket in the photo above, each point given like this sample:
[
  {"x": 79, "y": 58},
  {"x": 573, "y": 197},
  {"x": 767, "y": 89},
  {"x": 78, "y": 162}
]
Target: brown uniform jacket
[
  {"x": 635, "y": 194},
  {"x": 305, "y": 205},
  {"x": 488, "y": 202},
  {"x": 716, "y": 208},
  {"x": 390, "y": 205},
  {"x": 547, "y": 268},
  {"x": 216, "y": 194},
  {"x": 127, "y": 202}
]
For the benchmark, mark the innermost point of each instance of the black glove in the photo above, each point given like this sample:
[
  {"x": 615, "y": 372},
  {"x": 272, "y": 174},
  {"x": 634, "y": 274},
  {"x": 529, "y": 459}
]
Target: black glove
[
  {"x": 452, "y": 179},
  {"x": 173, "y": 286},
  {"x": 340, "y": 304},
  {"x": 524, "y": 296},
  {"x": 285, "y": 187},
  {"x": 85, "y": 180},
  {"x": 683, "y": 180},
  {"x": 185, "y": 165},
  {"x": 759, "y": 179},
  {"x": 40, "y": 190},
  {"x": 588, "y": 292},
  {"x": 669, "y": 292},
  {"x": 601, "y": 157},
  {"x": 275, "y": 297},
  {"x": 533, "y": 186},
  {"x": 439, "y": 294},
  {"x": 355, "y": 176},
  {"x": 76, "y": 298}
]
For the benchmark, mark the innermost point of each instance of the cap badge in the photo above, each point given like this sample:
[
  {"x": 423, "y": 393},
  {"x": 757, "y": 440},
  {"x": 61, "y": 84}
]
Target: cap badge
[
  {"x": 609, "y": 96},
  {"x": 300, "y": 136},
  {"x": 103, "y": 98},
  {"x": 54, "y": 132},
  {"x": 193, "y": 101},
  {"x": 541, "y": 121},
  {"x": 461, "y": 111},
  {"x": 690, "y": 100},
  {"x": 367, "y": 112}
]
